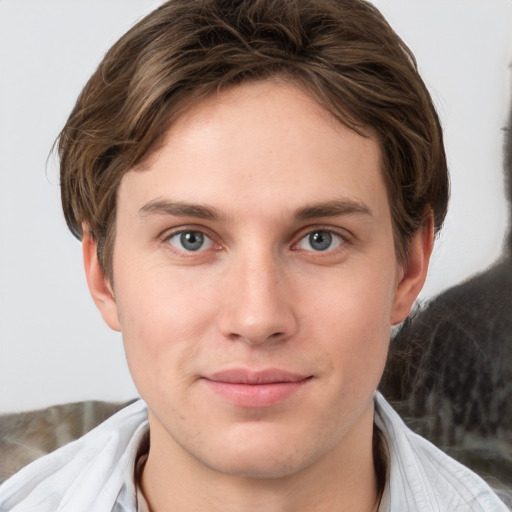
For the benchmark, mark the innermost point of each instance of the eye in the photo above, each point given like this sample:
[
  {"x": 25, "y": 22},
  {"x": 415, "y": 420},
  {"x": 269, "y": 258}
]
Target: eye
[
  {"x": 190, "y": 241},
  {"x": 320, "y": 240}
]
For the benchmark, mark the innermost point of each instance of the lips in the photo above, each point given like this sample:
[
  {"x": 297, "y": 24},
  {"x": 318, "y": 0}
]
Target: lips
[{"x": 254, "y": 389}]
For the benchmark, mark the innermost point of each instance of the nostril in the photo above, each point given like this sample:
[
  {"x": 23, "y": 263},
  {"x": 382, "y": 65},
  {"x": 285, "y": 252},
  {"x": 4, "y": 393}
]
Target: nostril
[
  {"x": 257, "y": 338},
  {"x": 256, "y": 318}
]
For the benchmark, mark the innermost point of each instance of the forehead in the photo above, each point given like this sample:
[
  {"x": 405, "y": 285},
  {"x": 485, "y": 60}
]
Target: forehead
[{"x": 260, "y": 141}]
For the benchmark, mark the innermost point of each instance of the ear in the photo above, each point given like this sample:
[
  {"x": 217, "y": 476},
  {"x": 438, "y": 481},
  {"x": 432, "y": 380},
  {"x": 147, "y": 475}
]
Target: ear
[
  {"x": 99, "y": 286},
  {"x": 413, "y": 272}
]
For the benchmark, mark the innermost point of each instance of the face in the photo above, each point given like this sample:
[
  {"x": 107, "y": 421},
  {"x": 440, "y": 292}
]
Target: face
[{"x": 255, "y": 283}]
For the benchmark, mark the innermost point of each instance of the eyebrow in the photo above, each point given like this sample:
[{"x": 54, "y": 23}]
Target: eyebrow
[
  {"x": 333, "y": 208},
  {"x": 179, "y": 209}
]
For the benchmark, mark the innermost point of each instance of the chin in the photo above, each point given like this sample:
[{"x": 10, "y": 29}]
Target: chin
[
  {"x": 272, "y": 458},
  {"x": 275, "y": 466}
]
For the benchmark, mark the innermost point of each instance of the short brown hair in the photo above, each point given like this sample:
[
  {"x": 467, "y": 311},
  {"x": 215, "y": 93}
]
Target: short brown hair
[{"x": 342, "y": 52}]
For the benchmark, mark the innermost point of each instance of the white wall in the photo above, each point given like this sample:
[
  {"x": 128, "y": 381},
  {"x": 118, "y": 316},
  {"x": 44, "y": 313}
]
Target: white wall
[{"x": 54, "y": 346}]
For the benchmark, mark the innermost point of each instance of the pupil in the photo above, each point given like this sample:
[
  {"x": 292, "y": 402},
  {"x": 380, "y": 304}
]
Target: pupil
[
  {"x": 191, "y": 240},
  {"x": 320, "y": 240}
]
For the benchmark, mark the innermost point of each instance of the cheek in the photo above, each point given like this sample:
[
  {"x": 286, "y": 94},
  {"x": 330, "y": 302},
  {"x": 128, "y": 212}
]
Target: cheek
[
  {"x": 351, "y": 318},
  {"x": 162, "y": 320}
]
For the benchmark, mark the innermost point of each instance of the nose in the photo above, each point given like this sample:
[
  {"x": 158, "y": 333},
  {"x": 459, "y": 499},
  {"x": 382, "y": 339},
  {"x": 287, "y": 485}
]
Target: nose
[{"x": 257, "y": 302}]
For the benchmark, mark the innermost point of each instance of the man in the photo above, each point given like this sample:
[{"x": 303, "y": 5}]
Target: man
[{"x": 256, "y": 185}]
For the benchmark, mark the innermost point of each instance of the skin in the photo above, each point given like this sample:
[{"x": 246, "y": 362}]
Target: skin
[{"x": 264, "y": 167}]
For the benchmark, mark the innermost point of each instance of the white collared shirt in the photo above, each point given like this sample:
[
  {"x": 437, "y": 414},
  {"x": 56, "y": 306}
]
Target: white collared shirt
[{"x": 95, "y": 473}]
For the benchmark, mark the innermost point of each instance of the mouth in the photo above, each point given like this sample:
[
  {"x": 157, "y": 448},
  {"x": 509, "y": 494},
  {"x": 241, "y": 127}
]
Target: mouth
[{"x": 253, "y": 389}]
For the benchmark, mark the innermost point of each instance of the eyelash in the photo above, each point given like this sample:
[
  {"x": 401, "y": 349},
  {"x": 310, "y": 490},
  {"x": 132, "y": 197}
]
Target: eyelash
[
  {"x": 343, "y": 237},
  {"x": 190, "y": 253},
  {"x": 333, "y": 234}
]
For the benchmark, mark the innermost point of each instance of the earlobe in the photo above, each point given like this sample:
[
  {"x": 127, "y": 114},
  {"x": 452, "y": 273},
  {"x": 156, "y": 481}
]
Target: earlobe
[
  {"x": 99, "y": 286},
  {"x": 414, "y": 272}
]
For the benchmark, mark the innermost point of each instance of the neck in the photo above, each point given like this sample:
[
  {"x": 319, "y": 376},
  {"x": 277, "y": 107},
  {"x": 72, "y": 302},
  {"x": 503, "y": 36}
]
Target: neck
[{"x": 342, "y": 480}]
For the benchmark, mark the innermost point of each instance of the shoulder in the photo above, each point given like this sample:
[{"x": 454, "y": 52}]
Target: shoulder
[
  {"x": 423, "y": 478},
  {"x": 89, "y": 472}
]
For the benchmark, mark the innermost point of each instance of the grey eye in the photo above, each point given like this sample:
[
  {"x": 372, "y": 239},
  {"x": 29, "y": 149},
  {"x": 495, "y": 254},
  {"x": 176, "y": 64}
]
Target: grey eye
[
  {"x": 190, "y": 241},
  {"x": 320, "y": 240}
]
